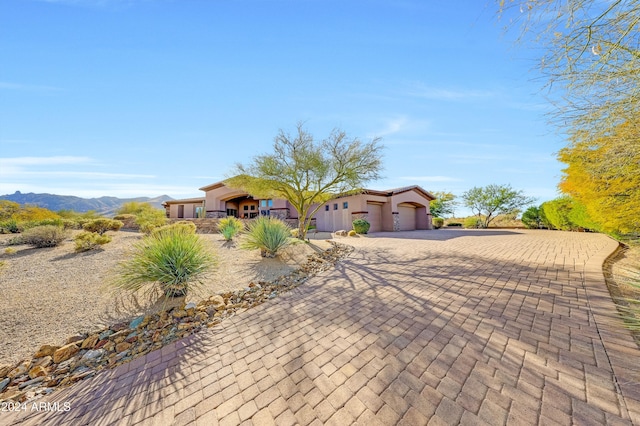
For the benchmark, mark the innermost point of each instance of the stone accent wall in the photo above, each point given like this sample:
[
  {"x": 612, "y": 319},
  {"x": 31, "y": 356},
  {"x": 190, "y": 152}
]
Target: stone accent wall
[
  {"x": 396, "y": 221},
  {"x": 215, "y": 214},
  {"x": 280, "y": 213}
]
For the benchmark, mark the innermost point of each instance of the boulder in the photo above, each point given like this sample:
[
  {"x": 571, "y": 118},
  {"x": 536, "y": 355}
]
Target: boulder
[
  {"x": 46, "y": 350},
  {"x": 37, "y": 371},
  {"x": 20, "y": 369},
  {"x": 65, "y": 352},
  {"x": 342, "y": 233},
  {"x": 90, "y": 341}
]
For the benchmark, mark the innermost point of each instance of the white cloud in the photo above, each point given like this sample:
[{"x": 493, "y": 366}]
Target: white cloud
[{"x": 42, "y": 161}]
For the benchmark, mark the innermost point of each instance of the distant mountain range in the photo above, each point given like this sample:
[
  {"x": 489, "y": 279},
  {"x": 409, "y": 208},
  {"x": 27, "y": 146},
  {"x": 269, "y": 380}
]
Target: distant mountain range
[{"x": 104, "y": 205}]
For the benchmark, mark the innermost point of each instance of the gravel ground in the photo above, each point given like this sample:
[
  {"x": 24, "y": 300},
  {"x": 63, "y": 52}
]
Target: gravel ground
[{"x": 50, "y": 294}]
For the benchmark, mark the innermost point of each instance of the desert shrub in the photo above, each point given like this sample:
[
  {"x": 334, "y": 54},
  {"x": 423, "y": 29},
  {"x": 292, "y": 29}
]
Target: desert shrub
[
  {"x": 181, "y": 227},
  {"x": 438, "y": 222},
  {"x": 149, "y": 220},
  {"x": 361, "y": 226},
  {"x": 9, "y": 227},
  {"x": 472, "y": 222},
  {"x": 44, "y": 236},
  {"x": 270, "y": 235},
  {"x": 129, "y": 220},
  {"x": 34, "y": 214},
  {"x": 102, "y": 225},
  {"x": 42, "y": 222},
  {"x": 86, "y": 241},
  {"x": 352, "y": 233},
  {"x": 454, "y": 224},
  {"x": 9, "y": 251},
  {"x": 173, "y": 259},
  {"x": 229, "y": 227}
]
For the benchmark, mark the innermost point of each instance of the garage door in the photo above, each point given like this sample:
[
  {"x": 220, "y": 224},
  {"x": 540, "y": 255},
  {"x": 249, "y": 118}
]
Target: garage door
[
  {"x": 375, "y": 217},
  {"x": 407, "y": 215}
]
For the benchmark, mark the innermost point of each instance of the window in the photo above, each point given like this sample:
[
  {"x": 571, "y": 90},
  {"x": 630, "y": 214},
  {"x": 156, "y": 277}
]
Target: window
[
  {"x": 266, "y": 203},
  {"x": 246, "y": 208},
  {"x": 345, "y": 205},
  {"x": 232, "y": 212},
  {"x": 199, "y": 212},
  {"x": 253, "y": 207},
  {"x": 326, "y": 208},
  {"x": 335, "y": 206}
]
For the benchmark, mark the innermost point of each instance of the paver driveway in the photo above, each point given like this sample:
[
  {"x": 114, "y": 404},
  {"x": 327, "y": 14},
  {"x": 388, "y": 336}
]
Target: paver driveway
[{"x": 440, "y": 327}]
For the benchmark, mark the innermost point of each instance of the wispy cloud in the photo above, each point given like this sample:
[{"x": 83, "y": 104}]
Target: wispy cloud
[
  {"x": 448, "y": 94},
  {"x": 430, "y": 178},
  {"x": 43, "y": 161},
  {"x": 4, "y": 85}
]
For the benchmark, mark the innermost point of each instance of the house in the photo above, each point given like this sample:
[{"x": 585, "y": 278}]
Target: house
[{"x": 401, "y": 209}]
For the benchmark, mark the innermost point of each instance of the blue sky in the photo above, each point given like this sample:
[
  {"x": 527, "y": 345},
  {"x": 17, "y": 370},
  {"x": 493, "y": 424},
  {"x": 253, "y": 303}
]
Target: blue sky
[{"x": 148, "y": 97}]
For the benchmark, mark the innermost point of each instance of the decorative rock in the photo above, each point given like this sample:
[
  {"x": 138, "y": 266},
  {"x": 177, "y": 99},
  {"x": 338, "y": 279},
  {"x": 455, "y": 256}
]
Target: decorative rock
[
  {"x": 190, "y": 305},
  {"x": 21, "y": 369},
  {"x": 4, "y": 383},
  {"x": 46, "y": 350},
  {"x": 218, "y": 302},
  {"x": 65, "y": 352},
  {"x": 44, "y": 361},
  {"x": 90, "y": 341},
  {"x": 121, "y": 347},
  {"x": 31, "y": 382},
  {"x": 76, "y": 338},
  {"x": 92, "y": 355},
  {"x": 119, "y": 326},
  {"x": 37, "y": 371},
  {"x": 179, "y": 313},
  {"x": 341, "y": 233},
  {"x": 136, "y": 323},
  {"x": 105, "y": 334},
  {"x": 4, "y": 369}
]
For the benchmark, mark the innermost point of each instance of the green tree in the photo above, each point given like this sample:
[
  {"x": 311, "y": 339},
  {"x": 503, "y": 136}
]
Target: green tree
[
  {"x": 308, "y": 173},
  {"x": 444, "y": 205},
  {"x": 533, "y": 218},
  {"x": 492, "y": 200}
]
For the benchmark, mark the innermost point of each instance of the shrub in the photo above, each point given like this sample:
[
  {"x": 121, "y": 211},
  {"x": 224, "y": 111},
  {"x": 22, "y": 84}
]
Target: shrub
[
  {"x": 102, "y": 225},
  {"x": 438, "y": 222},
  {"x": 181, "y": 227},
  {"x": 173, "y": 259},
  {"x": 58, "y": 222},
  {"x": 9, "y": 227},
  {"x": 472, "y": 222},
  {"x": 9, "y": 251},
  {"x": 361, "y": 226},
  {"x": 86, "y": 241},
  {"x": 44, "y": 236},
  {"x": 270, "y": 235},
  {"x": 458, "y": 224},
  {"x": 147, "y": 221},
  {"x": 229, "y": 227},
  {"x": 129, "y": 220},
  {"x": 352, "y": 233}
]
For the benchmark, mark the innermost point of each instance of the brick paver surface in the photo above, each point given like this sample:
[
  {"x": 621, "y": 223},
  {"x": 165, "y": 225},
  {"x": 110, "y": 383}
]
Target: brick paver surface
[{"x": 442, "y": 327}]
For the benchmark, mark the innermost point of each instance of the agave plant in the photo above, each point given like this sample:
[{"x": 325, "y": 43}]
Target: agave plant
[
  {"x": 270, "y": 235},
  {"x": 174, "y": 259}
]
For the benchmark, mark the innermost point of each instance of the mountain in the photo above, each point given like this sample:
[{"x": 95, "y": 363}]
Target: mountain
[{"x": 103, "y": 205}]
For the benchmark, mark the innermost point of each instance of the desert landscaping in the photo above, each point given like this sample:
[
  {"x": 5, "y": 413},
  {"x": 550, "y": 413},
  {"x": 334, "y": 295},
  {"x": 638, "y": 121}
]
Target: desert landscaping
[{"x": 53, "y": 293}]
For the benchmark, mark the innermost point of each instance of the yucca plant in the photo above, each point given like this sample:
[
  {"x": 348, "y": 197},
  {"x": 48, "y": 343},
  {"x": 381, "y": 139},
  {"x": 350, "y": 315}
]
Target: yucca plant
[
  {"x": 270, "y": 235},
  {"x": 229, "y": 227},
  {"x": 174, "y": 259}
]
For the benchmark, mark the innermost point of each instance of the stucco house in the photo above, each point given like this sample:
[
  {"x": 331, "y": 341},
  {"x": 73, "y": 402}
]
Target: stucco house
[{"x": 401, "y": 209}]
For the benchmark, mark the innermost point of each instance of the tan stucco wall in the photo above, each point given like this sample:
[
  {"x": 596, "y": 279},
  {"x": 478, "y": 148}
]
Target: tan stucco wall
[{"x": 189, "y": 210}]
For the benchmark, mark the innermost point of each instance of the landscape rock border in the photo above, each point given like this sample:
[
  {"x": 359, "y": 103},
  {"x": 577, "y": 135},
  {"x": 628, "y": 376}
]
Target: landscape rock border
[{"x": 82, "y": 356}]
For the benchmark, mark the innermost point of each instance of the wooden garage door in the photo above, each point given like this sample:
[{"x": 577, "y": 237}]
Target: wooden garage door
[
  {"x": 375, "y": 217},
  {"x": 407, "y": 215}
]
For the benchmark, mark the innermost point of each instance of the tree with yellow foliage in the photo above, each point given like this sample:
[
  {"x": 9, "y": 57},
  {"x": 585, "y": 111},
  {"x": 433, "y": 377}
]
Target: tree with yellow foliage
[{"x": 603, "y": 174}]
